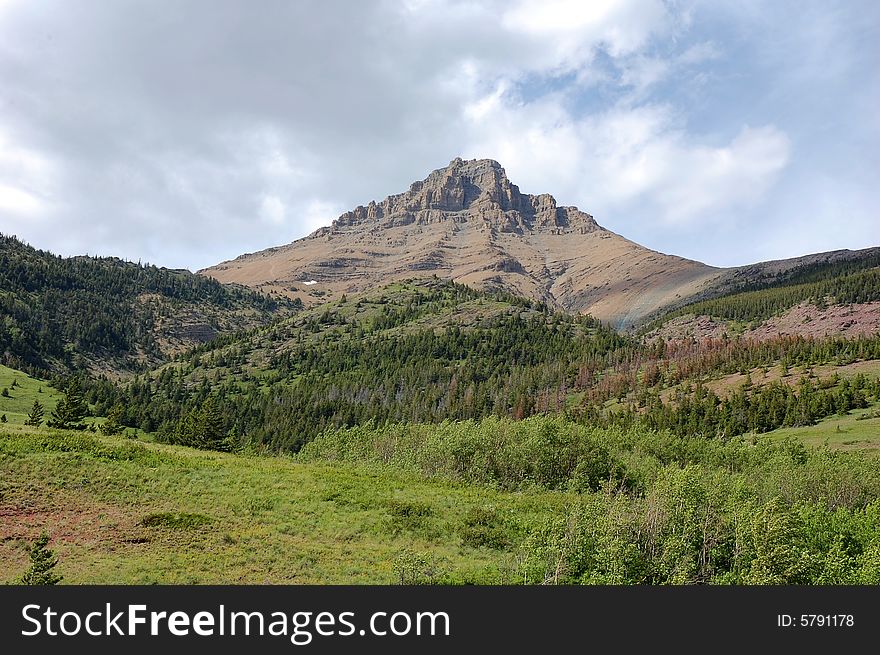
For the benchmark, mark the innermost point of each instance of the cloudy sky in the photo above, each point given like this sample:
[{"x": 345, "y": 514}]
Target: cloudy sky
[{"x": 186, "y": 133}]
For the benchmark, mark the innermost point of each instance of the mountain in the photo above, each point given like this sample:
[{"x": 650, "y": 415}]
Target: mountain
[
  {"x": 111, "y": 316},
  {"x": 467, "y": 222}
]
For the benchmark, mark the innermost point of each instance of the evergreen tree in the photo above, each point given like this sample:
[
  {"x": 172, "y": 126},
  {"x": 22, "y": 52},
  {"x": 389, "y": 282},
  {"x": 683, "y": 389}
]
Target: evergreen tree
[
  {"x": 35, "y": 418},
  {"x": 212, "y": 426},
  {"x": 43, "y": 561},
  {"x": 71, "y": 410},
  {"x": 113, "y": 424},
  {"x": 203, "y": 427}
]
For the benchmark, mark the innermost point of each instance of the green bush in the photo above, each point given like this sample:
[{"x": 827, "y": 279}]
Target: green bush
[
  {"x": 175, "y": 520},
  {"x": 652, "y": 508},
  {"x": 484, "y": 527},
  {"x": 42, "y": 563}
]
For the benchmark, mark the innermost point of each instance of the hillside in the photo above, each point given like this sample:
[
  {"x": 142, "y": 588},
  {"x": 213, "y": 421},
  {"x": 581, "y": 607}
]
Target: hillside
[
  {"x": 428, "y": 432},
  {"x": 423, "y": 350},
  {"x": 429, "y": 350},
  {"x": 110, "y": 316},
  {"x": 830, "y": 298},
  {"x": 21, "y": 392}
]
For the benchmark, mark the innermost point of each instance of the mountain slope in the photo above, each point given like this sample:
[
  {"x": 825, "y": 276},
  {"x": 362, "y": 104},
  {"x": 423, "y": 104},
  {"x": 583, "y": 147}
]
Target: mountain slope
[
  {"x": 468, "y": 223},
  {"x": 424, "y": 350},
  {"x": 107, "y": 315},
  {"x": 838, "y": 296}
]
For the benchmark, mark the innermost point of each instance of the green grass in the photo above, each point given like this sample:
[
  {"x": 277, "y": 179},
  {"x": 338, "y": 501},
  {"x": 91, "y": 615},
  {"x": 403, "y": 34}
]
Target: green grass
[
  {"x": 21, "y": 398},
  {"x": 124, "y": 511},
  {"x": 384, "y": 504},
  {"x": 858, "y": 430}
]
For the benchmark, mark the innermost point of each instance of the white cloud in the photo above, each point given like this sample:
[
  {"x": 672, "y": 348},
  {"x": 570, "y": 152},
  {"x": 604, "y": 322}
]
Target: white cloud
[
  {"x": 18, "y": 201},
  {"x": 572, "y": 28},
  {"x": 699, "y": 53},
  {"x": 644, "y": 73},
  {"x": 699, "y": 182},
  {"x": 272, "y": 210},
  {"x": 317, "y": 213},
  {"x": 26, "y": 178},
  {"x": 626, "y": 156}
]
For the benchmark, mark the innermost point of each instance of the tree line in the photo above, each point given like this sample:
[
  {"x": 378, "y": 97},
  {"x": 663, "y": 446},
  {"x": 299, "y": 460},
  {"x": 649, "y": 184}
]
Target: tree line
[
  {"x": 59, "y": 314},
  {"x": 756, "y": 305}
]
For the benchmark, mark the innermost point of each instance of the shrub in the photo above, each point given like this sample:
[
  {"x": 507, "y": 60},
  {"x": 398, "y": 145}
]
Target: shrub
[
  {"x": 175, "y": 520},
  {"x": 43, "y": 561}
]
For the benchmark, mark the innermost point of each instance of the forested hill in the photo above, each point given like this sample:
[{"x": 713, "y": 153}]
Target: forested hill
[
  {"x": 108, "y": 315},
  {"x": 854, "y": 281},
  {"x": 424, "y": 350}
]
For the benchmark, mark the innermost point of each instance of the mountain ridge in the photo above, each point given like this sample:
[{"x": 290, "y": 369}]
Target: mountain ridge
[{"x": 467, "y": 222}]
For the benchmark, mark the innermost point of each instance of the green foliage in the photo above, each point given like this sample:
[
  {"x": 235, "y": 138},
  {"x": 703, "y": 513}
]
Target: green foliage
[
  {"x": 113, "y": 425},
  {"x": 203, "y": 427},
  {"x": 175, "y": 520},
  {"x": 694, "y": 510},
  {"x": 422, "y": 351},
  {"x": 778, "y": 556},
  {"x": 410, "y": 516},
  {"x": 700, "y": 510},
  {"x": 484, "y": 527},
  {"x": 42, "y": 563},
  {"x": 55, "y": 312},
  {"x": 415, "y": 568},
  {"x": 35, "y": 418},
  {"x": 549, "y": 452},
  {"x": 70, "y": 410},
  {"x": 700, "y": 412}
]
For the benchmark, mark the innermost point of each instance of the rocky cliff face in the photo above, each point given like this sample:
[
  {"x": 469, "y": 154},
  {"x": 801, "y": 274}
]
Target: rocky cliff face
[
  {"x": 469, "y": 223},
  {"x": 467, "y": 190}
]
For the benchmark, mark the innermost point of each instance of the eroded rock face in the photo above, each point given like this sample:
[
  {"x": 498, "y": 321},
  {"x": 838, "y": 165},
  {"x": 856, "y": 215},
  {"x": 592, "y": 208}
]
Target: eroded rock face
[
  {"x": 467, "y": 222},
  {"x": 477, "y": 189}
]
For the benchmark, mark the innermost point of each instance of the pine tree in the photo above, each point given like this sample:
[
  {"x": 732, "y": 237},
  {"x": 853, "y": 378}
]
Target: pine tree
[
  {"x": 35, "y": 418},
  {"x": 71, "y": 410},
  {"x": 203, "y": 427},
  {"x": 113, "y": 424},
  {"x": 211, "y": 425},
  {"x": 43, "y": 561}
]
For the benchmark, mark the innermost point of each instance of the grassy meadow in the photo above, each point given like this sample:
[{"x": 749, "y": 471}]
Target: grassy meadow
[
  {"x": 122, "y": 511},
  {"x": 477, "y": 502},
  {"x": 22, "y": 391},
  {"x": 858, "y": 430}
]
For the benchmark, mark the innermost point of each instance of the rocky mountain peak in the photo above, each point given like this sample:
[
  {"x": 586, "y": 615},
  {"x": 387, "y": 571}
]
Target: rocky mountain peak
[
  {"x": 464, "y": 183},
  {"x": 468, "y": 188}
]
